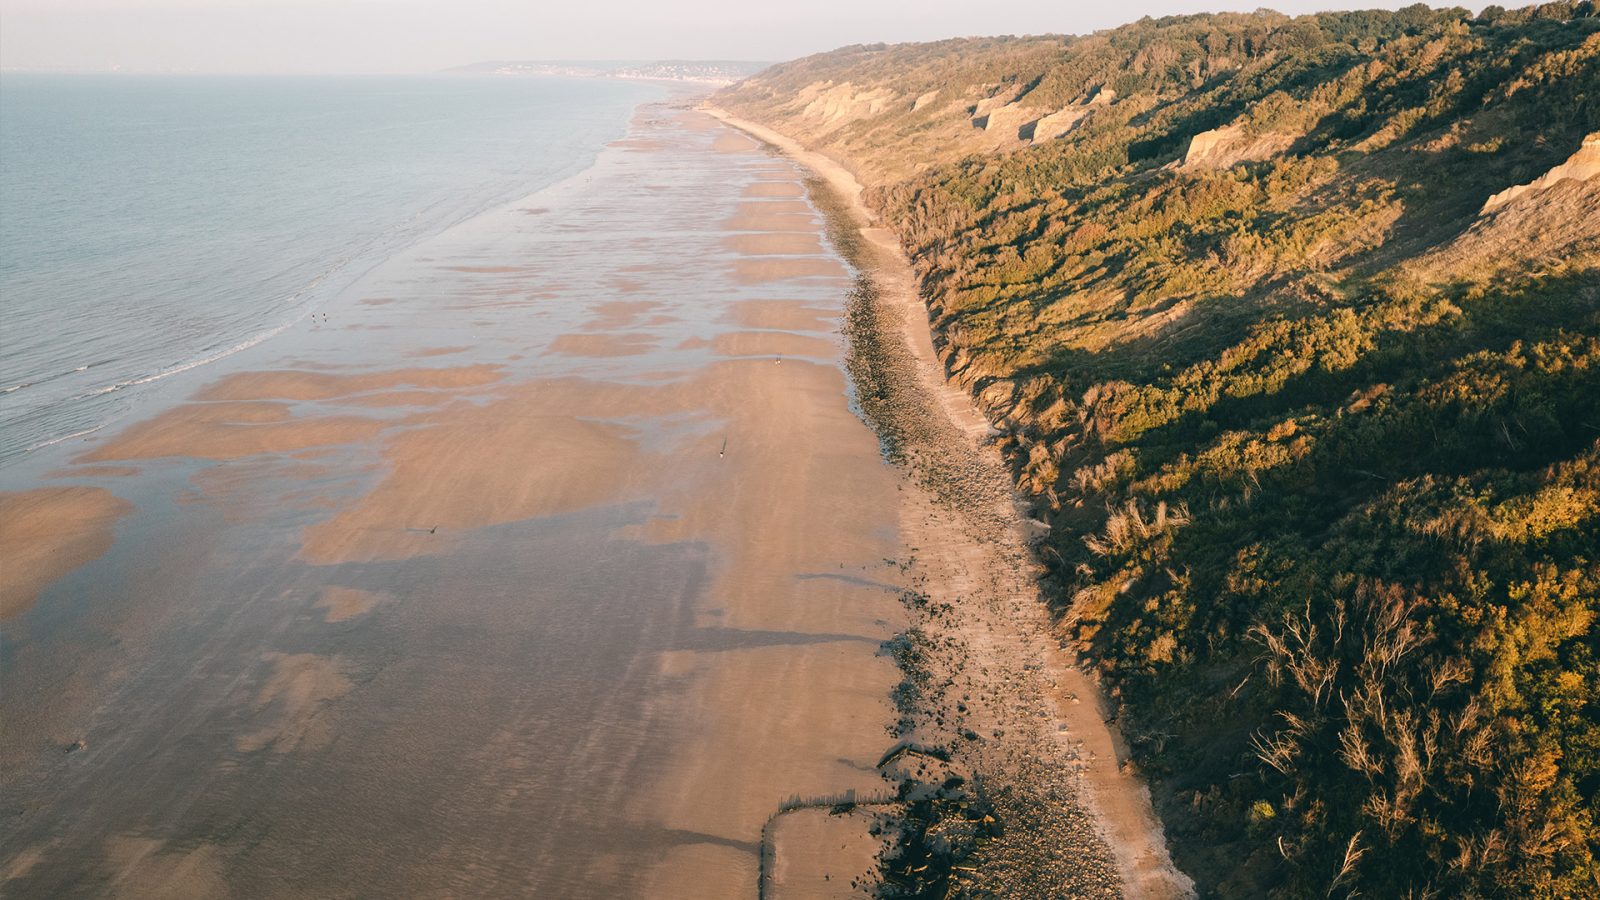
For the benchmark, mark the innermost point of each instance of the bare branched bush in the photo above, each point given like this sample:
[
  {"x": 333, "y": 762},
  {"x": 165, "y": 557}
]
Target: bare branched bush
[
  {"x": 1129, "y": 525},
  {"x": 1096, "y": 478},
  {"x": 1353, "y": 852}
]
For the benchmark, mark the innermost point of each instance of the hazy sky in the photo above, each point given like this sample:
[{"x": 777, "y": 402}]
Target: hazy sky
[{"x": 426, "y": 35}]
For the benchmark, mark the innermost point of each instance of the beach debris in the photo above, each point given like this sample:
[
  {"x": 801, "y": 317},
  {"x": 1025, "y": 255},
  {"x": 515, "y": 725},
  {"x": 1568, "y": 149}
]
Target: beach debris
[
  {"x": 724, "y": 451},
  {"x": 907, "y": 748}
]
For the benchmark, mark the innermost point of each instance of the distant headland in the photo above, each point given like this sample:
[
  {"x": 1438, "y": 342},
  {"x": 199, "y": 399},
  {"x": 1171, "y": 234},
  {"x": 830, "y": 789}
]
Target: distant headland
[{"x": 703, "y": 71}]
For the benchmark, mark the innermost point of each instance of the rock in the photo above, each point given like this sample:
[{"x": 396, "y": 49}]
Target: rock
[
  {"x": 998, "y": 398},
  {"x": 924, "y": 100},
  {"x": 1223, "y": 147},
  {"x": 834, "y": 104},
  {"x": 1207, "y": 145},
  {"x": 1058, "y": 123},
  {"x": 993, "y": 102},
  {"x": 1012, "y": 119},
  {"x": 1581, "y": 166}
]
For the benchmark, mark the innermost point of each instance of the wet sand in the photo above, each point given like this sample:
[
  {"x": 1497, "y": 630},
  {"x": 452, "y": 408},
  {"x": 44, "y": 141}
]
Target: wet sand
[
  {"x": 553, "y": 562},
  {"x": 47, "y": 533}
]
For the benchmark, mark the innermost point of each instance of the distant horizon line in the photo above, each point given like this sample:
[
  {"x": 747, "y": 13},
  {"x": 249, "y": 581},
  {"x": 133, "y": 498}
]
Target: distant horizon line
[{"x": 461, "y": 69}]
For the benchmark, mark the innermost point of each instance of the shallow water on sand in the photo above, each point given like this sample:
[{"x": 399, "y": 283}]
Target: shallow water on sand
[
  {"x": 150, "y": 224},
  {"x": 550, "y": 561}
]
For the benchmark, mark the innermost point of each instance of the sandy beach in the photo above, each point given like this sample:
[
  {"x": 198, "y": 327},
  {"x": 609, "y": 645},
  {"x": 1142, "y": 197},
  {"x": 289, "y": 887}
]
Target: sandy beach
[
  {"x": 47, "y": 533},
  {"x": 553, "y": 561},
  {"x": 558, "y": 559},
  {"x": 1013, "y": 702}
]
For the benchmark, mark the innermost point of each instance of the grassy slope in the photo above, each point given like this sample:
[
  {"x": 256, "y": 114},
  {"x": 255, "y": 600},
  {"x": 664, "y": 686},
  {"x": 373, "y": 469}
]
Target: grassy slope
[{"x": 1320, "y": 442}]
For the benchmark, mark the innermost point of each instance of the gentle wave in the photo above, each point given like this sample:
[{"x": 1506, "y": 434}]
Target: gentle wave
[
  {"x": 179, "y": 368},
  {"x": 49, "y": 378},
  {"x": 66, "y": 437},
  {"x": 187, "y": 225}
]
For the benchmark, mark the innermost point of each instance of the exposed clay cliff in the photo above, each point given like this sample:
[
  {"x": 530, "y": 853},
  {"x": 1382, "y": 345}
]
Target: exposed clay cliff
[
  {"x": 1011, "y": 119},
  {"x": 1229, "y": 145},
  {"x": 835, "y": 104},
  {"x": 1582, "y": 166},
  {"x": 1058, "y": 123}
]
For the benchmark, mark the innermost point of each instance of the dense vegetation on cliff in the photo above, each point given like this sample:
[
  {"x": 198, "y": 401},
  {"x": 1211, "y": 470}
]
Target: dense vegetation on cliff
[{"x": 1311, "y": 395}]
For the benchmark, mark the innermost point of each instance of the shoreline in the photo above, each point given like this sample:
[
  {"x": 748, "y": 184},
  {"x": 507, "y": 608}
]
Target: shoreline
[
  {"x": 1115, "y": 799},
  {"x": 143, "y": 394},
  {"x": 335, "y": 505},
  {"x": 564, "y": 518}
]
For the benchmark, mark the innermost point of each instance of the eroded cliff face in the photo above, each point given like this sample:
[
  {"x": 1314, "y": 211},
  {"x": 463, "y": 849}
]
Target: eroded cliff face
[
  {"x": 1582, "y": 166},
  {"x": 830, "y": 105},
  {"x": 1551, "y": 220},
  {"x": 1292, "y": 331},
  {"x": 1226, "y": 147}
]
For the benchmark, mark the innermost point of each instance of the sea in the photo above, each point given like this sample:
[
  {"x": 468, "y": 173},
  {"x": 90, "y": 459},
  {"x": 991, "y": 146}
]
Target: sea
[
  {"x": 150, "y": 225},
  {"x": 529, "y": 552}
]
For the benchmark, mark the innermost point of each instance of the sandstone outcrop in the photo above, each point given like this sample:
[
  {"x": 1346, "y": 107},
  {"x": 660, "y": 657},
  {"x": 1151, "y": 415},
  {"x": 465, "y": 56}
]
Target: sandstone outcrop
[
  {"x": 1058, "y": 123},
  {"x": 1054, "y": 125},
  {"x": 1229, "y": 145},
  {"x": 993, "y": 102},
  {"x": 1011, "y": 119},
  {"x": 1581, "y": 166},
  {"x": 838, "y": 103},
  {"x": 1100, "y": 96}
]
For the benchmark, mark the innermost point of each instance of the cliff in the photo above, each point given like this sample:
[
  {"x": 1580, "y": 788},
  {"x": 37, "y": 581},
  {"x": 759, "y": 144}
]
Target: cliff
[
  {"x": 1292, "y": 329},
  {"x": 1583, "y": 166}
]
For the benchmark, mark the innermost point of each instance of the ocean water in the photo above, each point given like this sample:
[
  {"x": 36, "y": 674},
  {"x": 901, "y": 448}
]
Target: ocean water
[
  {"x": 527, "y": 637},
  {"x": 150, "y": 225}
]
